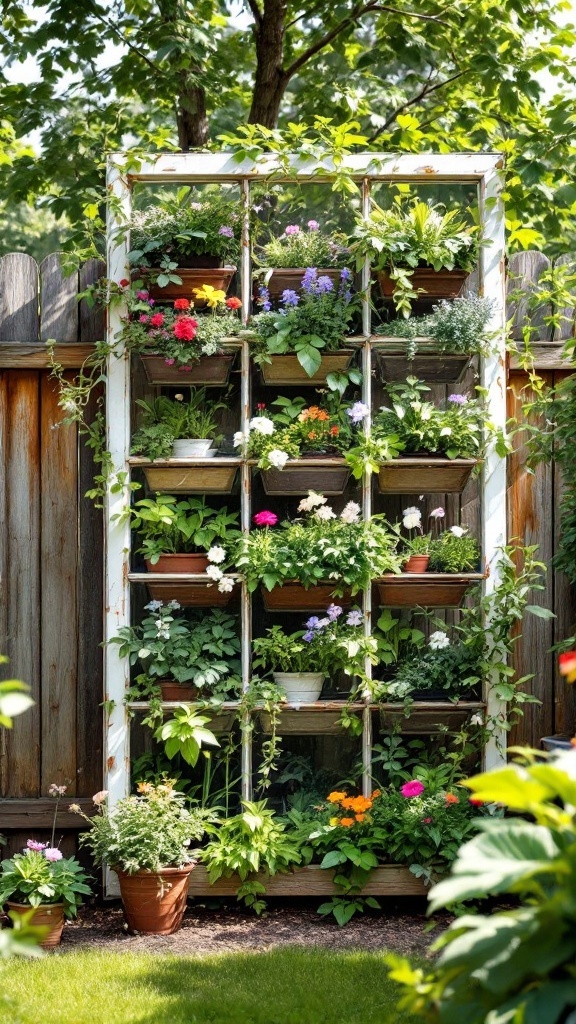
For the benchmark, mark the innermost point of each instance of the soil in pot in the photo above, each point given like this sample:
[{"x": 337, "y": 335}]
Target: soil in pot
[
  {"x": 190, "y": 563},
  {"x": 154, "y": 902},
  {"x": 49, "y": 914}
]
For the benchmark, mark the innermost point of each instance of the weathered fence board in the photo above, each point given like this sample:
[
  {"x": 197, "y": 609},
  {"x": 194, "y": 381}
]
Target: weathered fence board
[
  {"x": 565, "y": 328},
  {"x": 58, "y": 302},
  {"x": 19, "y": 319}
]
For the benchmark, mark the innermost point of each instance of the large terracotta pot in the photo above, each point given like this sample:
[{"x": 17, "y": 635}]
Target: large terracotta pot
[
  {"x": 49, "y": 914},
  {"x": 416, "y": 563},
  {"x": 179, "y": 692},
  {"x": 154, "y": 902},
  {"x": 191, "y": 563},
  {"x": 219, "y": 277}
]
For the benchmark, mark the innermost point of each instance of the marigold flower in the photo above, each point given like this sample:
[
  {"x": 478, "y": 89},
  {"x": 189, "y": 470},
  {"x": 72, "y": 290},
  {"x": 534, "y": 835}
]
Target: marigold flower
[
  {"x": 233, "y": 302},
  {"x": 412, "y": 788},
  {"x": 451, "y": 798},
  {"x": 336, "y": 796},
  {"x": 181, "y": 304},
  {"x": 185, "y": 328},
  {"x": 361, "y": 804},
  {"x": 360, "y": 817},
  {"x": 347, "y": 803},
  {"x": 374, "y": 794},
  {"x": 312, "y": 435},
  {"x": 347, "y": 822}
]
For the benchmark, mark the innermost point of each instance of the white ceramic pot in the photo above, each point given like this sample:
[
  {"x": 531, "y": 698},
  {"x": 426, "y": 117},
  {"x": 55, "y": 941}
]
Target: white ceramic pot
[
  {"x": 191, "y": 448},
  {"x": 300, "y": 687}
]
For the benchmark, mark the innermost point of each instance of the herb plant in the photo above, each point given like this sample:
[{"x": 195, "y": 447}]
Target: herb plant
[
  {"x": 456, "y": 327},
  {"x": 296, "y": 247},
  {"x": 453, "y": 551},
  {"x": 164, "y": 420},
  {"x": 170, "y": 525}
]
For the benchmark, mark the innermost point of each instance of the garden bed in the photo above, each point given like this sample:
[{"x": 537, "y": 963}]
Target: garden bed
[{"x": 388, "y": 880}]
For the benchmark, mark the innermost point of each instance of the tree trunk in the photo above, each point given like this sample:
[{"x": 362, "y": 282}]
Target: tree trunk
[
  {"x": 191, "y": 118},
  {"x": 270, "y": 80}
]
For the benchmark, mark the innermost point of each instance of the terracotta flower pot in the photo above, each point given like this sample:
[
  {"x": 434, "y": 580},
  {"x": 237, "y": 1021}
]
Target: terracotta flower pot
[
  {"x": 180, "y": 692},
  {"x": 435, "y": 284},
  {"x": 417, "y": 563},
  {"x": 49, "y": 914},
  {"x": 292, "y": 597},
  {"x": 154, "y": 902},
  {"x": 192, "y": 563}
]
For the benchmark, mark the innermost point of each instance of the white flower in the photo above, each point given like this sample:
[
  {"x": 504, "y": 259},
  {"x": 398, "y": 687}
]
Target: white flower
[
  {"x": 446, "y": 432},
  {"x": 153, "y": 606},
  {"x": 325, "y": 513},
  {"x": 278, "y": 458},
  {"x": 350, "y": 513},
  {"x": 476, "y": 720},
  {"x": 172, "y": 605},
  {"x": 214, "y": 572},
  {"x": 458, "y": 531},
  {"x": 412, "y": 518},
  {"x": 226, "y": 585},
  {"x": 262, "y": 425},
  {"x": 437, "y": 513},
  {"x": 216, "y": 553},
  {"x": 238, "y": 439},
  {"x": 438, "y": 640},
  {"x": 313, "y": 499}
]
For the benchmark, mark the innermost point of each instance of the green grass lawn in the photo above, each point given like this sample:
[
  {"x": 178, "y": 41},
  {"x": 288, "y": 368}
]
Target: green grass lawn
[{"x": 288, "y": 986}]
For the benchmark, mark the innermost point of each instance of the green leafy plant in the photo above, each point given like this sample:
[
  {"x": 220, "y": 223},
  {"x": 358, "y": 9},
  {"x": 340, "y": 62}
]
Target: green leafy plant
[
  {"x": 187, "y": 223},
  {"x": 307, "y": 324},
  {"x": 202, "y": 649},
  {"x": 456, "y": 327},
  {"x": 296, "y": 247},
  {"x": 185, "y": 733},
  {"x": 297, "y": 430},
  {"x": 453, "y": 551},
  {"x": 329, "y": 644},
  {"x": 171, "y": 525},
  {"x": 342, "y": 549},
  {"x": 442, "y": 665},
  {"x": 164, "y": 420},
  {"x": 515, "y": 965}
]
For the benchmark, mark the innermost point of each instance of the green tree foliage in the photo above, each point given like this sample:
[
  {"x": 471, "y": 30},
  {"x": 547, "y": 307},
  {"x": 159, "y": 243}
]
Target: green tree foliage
[{"x": 467, "y": 75}]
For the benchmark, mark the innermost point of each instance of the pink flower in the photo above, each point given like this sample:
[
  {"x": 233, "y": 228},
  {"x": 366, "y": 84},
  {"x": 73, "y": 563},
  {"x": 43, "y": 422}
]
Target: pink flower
[
  {"x": 143, "y": 318},
  {"x": 99, "y": 798},
  {"x": 142, "y": 295},
  {"x": 292, "y": 229},
  {"x": 426, "y": 821},
  {"x": 313, "y": 225},
  {"x": 185, "y": 328},
  {"x": 412, "y": 788},
  {"x": 169, "y": 362},
  {"x": 157, "y": 320},
  {"x": 32, "y": 844},
  {"x": 265, "y": 519},
  {"x": 53, "y": 854}
]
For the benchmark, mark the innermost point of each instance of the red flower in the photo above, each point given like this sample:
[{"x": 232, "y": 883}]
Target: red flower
[
  {"x": 475, "y": 801},
  {"x": 185, "y": 328},
  {"x": 426, "y": 821},
  {"x": 157, "y": 320},
  {"x": 567, "y": 665},
  {"x": 233, "y": 302},
  {"x": 182, "y": 304},
  {"x": 124, "y": 282},
  {"x": 451, "y": 798},
  {"x": 265, "y": 518}
]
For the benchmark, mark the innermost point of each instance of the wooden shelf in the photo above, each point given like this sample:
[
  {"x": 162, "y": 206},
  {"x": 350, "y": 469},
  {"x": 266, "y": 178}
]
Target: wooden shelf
[
  {"x": 188, "y": 476},
  {"x": 428, "y": 716},
  {"x": 191, "y": 590},
  {"x": 425, "y": 589}
]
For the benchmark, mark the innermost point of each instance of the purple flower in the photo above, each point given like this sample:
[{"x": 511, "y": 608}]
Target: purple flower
[
  {"x": 33, "y": 844},
  {"x": 345, "y": 274},
  {"x": 334, "y": 611},
  {"x": 142, "y": 295},
  {"x": 309, "y": 636},
  {"x": 151, "y": 302},
  {"x": 457, "y": 399},
  {"x": 354, "y": 618},
  {"x": 53, "y": 854},
  {"x": 227, "y": 231},
  {"x": 312, "y": 622},
  {"x": 313, "y": 225},
  {"x": 357, "y": 412},
  {"x": 264, "y": 299},
  {"x": 292, "y": 229},
  {"x": 290, "y": 297},
  {"x": 309, "y": 280},
  {"x": 324, "y": 285}
]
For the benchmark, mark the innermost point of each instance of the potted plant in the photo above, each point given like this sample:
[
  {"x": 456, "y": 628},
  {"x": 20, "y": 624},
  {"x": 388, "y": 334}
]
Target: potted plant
[
  {"x": 189, "y": 229},
  {"x": 187, "y": 656},
  {"x": 422, "y": 249},
  {"x": 437, "y": 347},
  {"x": 43, "y": 880},
  {"x": 300, "y": 661},
  {"x": 299, "y": 444},
  {"x": 286, "y": 257},
  {"x": 452, "y": 568},
  {"x": 146, "y": 841},
  {"x": 178, "y": 344},
  {"x": 442, "y": 670},
  {"x": 300, "y": 342},
  {"x": 305, "y": 562},
  {"x": 416, "y": 446}
]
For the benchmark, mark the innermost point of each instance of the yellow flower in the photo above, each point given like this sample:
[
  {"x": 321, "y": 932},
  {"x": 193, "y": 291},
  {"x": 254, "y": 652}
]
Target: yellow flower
[
  {"x": 212, "y": 296},
  {"x": 333, "y": 821}
]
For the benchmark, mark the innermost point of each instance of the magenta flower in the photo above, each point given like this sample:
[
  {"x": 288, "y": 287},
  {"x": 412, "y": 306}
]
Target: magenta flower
[
  {"x": 265, "y": 518},
  {"x": 32, "y": 844},
  {"x": 412, "y": 788},
  {"x": 170, "y": 362},
  {"x": 313, "y": 225},
  {"x": 53, "y": 854},
  {"x": 292, "y": 229},
  {"x": 142, "y": 295}
]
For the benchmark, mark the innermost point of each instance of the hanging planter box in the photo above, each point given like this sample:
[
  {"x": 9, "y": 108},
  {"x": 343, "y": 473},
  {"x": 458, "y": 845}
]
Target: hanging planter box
[
  {"x": 326, "y": 476},
  {"x": 210, "y": 371},
  {"x": 435, "y": 284},
  {"x": 320, "y": 719},
  {"x": 291, "y": 278},
  {"x": 429, "y": 716},
  {"x": 287, "y": 370},
  {"x": 193, "y": 562},
  {"x": 428, "y": 589},
  {"x": 312, "y": 880},
  {"x": 192, "y": 277},
  {"x": 189, "y": 476},
  {"x": 435, "y": 367},
  {"x": 197, "y": 592},
  {"x": 424, "y": 474},
  {"x": 292, "y": 597}
]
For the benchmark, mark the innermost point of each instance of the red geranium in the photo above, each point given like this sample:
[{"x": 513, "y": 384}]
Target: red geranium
[
  {"x": 182, "y": 304},
  {"x": 233, "y": 302},
  {"x": 185, "y": 328},
  {"x": 157, "y": 320}
]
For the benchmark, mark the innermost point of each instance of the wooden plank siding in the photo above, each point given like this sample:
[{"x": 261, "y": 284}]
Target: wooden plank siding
[{"x": 51, "y": 540}]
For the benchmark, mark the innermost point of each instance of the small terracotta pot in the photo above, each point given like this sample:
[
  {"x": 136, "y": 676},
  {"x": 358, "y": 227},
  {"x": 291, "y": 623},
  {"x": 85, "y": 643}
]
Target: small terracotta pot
[
  {"x": 193, "y": 563},
  {"x": 417, "y": 563},
  {"x": 173, "y": 691},
  {"x": 435, "y": 284},
  {"x": 50, "y": 914},
  {"x": 154, "y": 902}
]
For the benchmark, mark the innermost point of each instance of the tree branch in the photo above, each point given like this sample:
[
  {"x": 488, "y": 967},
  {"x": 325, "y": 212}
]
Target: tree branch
[
  {"x": 255, "y": 11},
  {"x": 409, "y": 14},
  {"x": 425, "y": 91},
  {"x": 327, "y": 38},
  {"x": 133, "y": 49}
]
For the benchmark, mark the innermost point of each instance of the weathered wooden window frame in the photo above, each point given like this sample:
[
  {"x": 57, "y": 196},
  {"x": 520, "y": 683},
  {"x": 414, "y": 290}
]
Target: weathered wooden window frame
[{"x": 482, "y": 169}]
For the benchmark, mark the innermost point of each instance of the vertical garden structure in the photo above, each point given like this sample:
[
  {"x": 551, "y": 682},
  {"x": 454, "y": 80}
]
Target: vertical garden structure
[{"x": 480, "y": 171}]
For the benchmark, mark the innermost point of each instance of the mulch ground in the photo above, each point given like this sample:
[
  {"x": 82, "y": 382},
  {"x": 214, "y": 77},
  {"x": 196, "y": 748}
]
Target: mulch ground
[{"x": 402, "y": 927}]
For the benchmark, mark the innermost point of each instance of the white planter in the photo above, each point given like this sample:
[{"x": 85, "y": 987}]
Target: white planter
[
  {"x": 300, "y": 687},
  {"x": 192, "y": 448}
]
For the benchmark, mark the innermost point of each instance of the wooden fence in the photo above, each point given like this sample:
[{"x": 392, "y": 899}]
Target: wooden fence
[{"x": 51, "y": 543}]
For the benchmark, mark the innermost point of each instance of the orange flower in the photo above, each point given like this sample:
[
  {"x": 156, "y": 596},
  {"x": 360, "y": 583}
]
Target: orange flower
[
  {"x": 451, "y": 798},
  {"x": 375, "y": 794},
  {"x": 334, "y": 431},
  {"x": 360, "y": 817},
  {"x": 475, "y": 801},
  {"x": 360, "y": 804},
  {"x": 144, "y": 787},
  {"x": 348, "y": 803},
  {"x": 335, "y": 797},
  {"x": 312, "y": 435},
  {"x": 346, "y": 822}
]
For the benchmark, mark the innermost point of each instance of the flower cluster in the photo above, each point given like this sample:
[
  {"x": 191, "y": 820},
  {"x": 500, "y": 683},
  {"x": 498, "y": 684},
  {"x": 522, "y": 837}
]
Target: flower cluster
[
  {"x": 350, "y": 810},
  {"x": 179, "y": 334},
  {"x": 328, "y": 644},
  {"x": 450, "y": 551},
  {"x": 297, "y": 247},
  {"x": 191, "y": 223},
  {"x": 295, "y": 433}
]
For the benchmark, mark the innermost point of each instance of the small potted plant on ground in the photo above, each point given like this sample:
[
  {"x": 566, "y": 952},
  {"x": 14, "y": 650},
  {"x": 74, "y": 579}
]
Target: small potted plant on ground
[
  {"x": 43, "y": 880},
  {"x": 285, "y": 258},
  {"x": 298, "y": 431},
  {"x": 307, "y": 561},
  {"x": 300, "y": 661},
  {"x": 300, "y": 341},
  {"x": 422, "y": 250},
  {"x": 191, "y": 229},
  {"x": 178, "y": 345},
  {"x": 437, "y": 347},
  {"x": 189, "y": 657},
  {"x": 146, "y": 840}
]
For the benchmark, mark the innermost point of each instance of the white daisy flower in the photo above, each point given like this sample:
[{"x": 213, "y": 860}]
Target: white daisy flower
[
  {"x": 214, "y": 572},
  {"x": 216, "y": 553},
  {"x": 226, "y": 585},
  {"x": 278, "y": 458}
]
